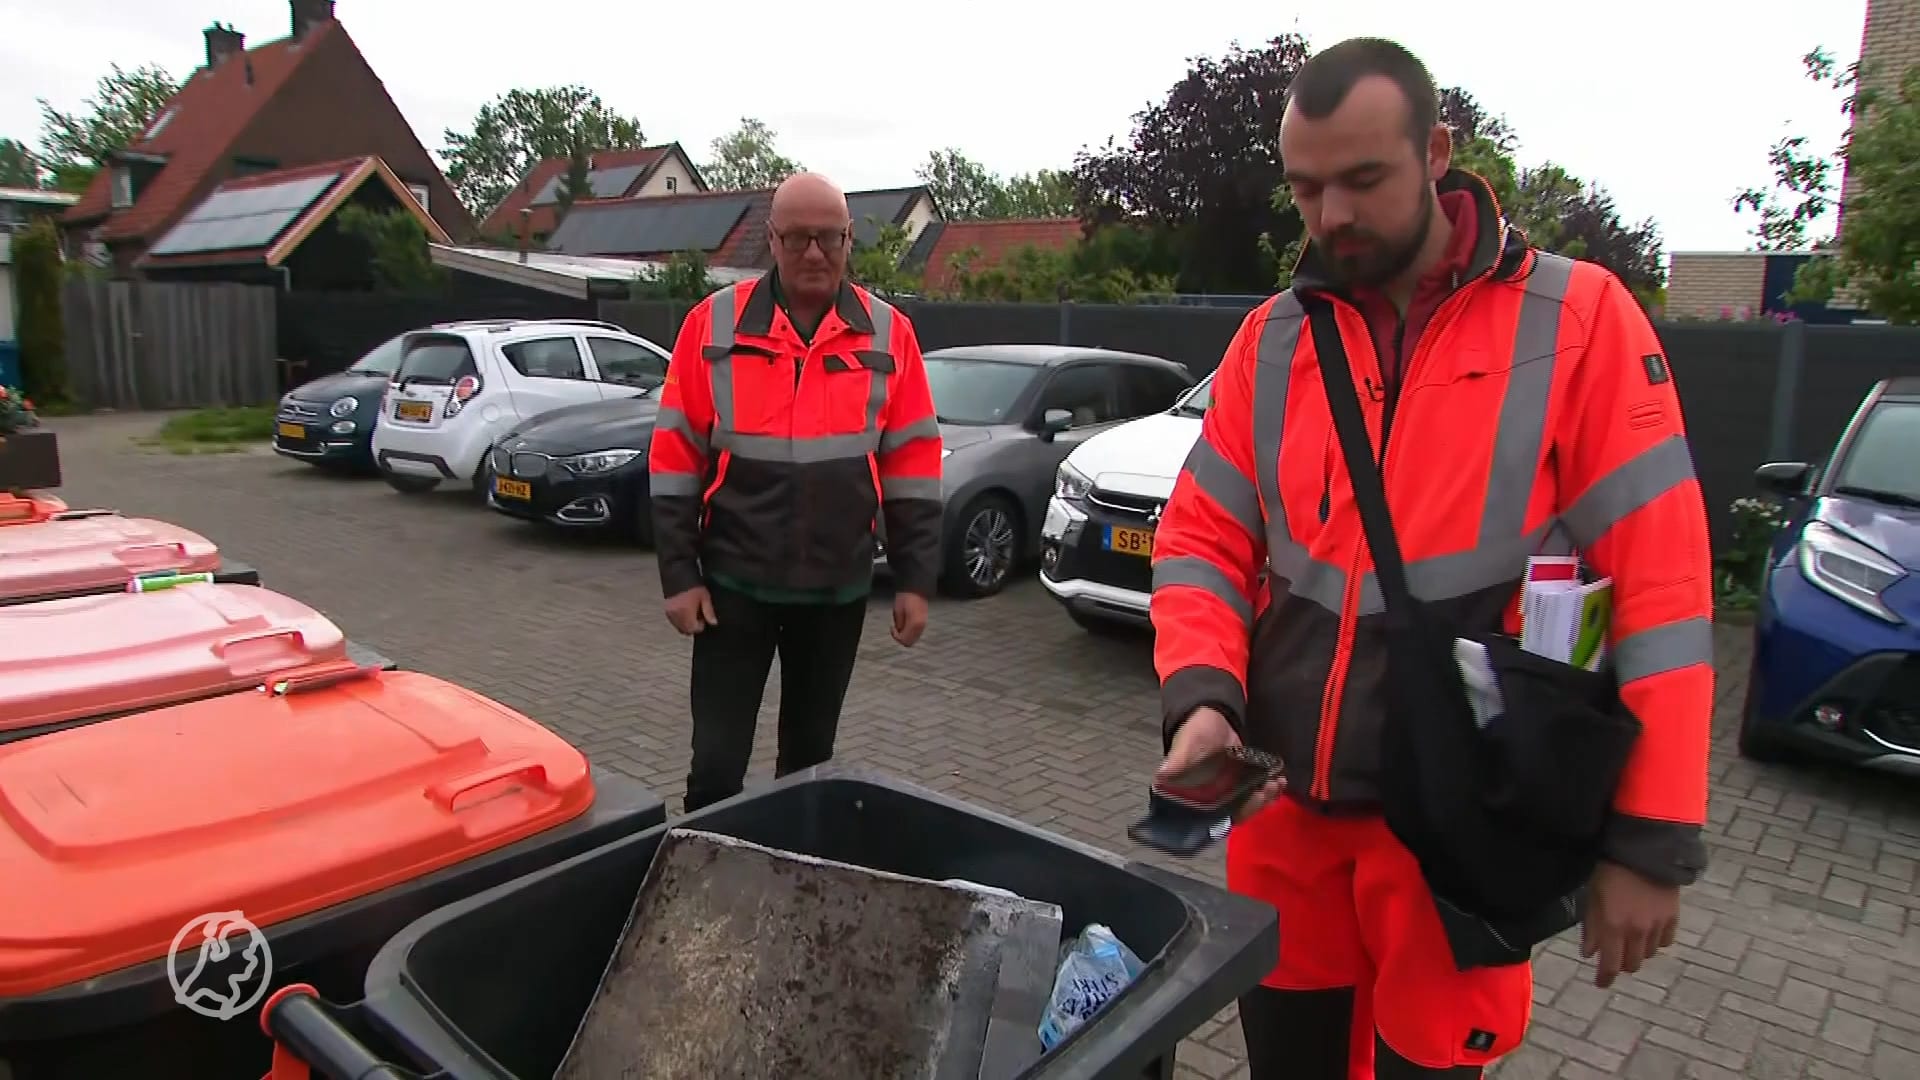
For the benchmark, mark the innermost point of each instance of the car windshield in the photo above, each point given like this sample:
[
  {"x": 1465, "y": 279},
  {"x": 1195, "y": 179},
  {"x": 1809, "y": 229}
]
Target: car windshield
[
  {"x": 384, "y": 360},
  {"x": 1197, "y": 402},
  {"x": 973, "y": 391},
  {"x": 438, "y": 360},
  {"x": 1879, "y": 463}
]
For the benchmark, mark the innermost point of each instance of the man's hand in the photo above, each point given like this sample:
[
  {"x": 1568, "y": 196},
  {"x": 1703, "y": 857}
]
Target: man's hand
[
  {"x": 1629, "y": 920},
  {"x": 1205, "y": 734},
  {"x": 692, "y": 611},
  {"x": 909, "y": 618}
]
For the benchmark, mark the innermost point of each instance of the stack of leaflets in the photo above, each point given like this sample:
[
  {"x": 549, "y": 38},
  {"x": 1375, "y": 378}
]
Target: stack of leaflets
[{"x": 1563, "y": 616}]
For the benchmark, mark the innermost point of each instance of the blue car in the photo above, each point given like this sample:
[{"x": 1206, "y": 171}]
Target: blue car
[
  {"x": 1836, "y": 647},
  {"x": 329, "y": 422}
]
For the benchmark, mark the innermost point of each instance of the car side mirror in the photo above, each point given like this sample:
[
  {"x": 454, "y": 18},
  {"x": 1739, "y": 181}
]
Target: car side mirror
[
  {"x": 1053, "y": 422},
  {"x": 1786, "y": 478}
]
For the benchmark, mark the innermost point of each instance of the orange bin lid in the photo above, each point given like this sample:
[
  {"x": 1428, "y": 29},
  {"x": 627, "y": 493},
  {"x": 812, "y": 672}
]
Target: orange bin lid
[
  {"x": 98, "y": 655},
  {"x": 29, "y": 507},
  {"x": 99, "y": 552},
  {"x": 271, "y": 805}
]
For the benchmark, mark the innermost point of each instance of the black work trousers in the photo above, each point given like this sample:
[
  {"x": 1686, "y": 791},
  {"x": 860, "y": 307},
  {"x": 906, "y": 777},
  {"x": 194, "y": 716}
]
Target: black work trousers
[
  {"x": 816, "y": 644},
  {"x": 1307, "y": 1035}
]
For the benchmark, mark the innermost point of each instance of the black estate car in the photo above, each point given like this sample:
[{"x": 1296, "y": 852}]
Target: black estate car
[
  {"x": 329, "y": 421},
  {"x": 580, "y": 466}
]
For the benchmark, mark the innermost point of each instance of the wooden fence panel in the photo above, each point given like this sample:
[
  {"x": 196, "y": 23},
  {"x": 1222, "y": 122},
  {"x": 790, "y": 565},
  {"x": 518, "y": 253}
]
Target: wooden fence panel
[{"x": 150, "y": 345}]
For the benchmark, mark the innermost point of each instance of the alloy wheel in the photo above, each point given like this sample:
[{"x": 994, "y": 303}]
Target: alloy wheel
[{"x": 988, "y": 547}]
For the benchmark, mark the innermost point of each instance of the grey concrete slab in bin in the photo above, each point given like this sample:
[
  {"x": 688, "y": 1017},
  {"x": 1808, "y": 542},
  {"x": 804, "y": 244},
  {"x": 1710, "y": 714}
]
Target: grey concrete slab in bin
[{"x": 745, "y": 960}]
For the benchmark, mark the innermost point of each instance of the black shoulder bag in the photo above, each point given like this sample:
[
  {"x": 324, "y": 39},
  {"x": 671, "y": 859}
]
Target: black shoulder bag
[{"x": 1505, "y": 821}]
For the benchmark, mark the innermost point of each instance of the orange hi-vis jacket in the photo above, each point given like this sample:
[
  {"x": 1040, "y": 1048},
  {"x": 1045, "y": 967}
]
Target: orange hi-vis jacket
[
  {"x": 772, "y": 459},
  {"x": 1537, "y": 415}
]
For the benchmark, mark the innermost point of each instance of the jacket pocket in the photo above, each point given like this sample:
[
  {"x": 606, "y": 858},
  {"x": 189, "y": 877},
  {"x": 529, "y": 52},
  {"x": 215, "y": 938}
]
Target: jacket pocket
[{"x": 856, "y": 383}]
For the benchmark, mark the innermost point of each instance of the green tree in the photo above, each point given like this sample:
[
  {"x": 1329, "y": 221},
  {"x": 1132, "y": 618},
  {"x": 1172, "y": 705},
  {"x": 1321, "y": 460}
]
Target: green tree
[
  {"x": 966, "y": 190},
  {"x": 396, "y": 249},
  {"x": 124, "y": 104},
  {"x": 1876, "y": 257},
  {"x": 1801, "y": 194},
  {"x": 877, "y": 265},
  {"x": 682, "y": 277},
  {"x": 577, "y": 182},
  {"x": 521, "y": 128},
  {"x": 18, "y": 167},
  {"x": 38, "y": 276},
  {"x": 745, "y": 159}
]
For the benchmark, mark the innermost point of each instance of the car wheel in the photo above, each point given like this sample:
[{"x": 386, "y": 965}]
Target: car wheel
[
  {"x": 983, "y": 547},
  {"x": 1756, "y": 743},
  {"x": 409, "y": 485}
]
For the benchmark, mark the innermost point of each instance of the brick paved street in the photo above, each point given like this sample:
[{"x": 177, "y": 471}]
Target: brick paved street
[{"x": 1800, "y": 955}]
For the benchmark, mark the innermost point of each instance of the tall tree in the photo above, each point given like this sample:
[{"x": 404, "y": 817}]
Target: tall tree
[
  {"x": 1876, "y": 255},
  {"x": 124, "y": 104},
  {"x": 521, "y": 128},
  {"x": 1794, "y": 206},
  {"x": 577, "y": 182},
  {"x": 968, "y": 191},
  {"x": 18, "y": 167},
  {"x": 745, "y": 159}
]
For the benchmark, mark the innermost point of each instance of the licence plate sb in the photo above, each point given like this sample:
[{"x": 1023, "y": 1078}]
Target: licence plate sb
[
  {"x": 292, "y": 431},
  {"x": 512, "y": 489},
  {"x": 1130, "y": 541},
  {"x": 413, "y": 410}
]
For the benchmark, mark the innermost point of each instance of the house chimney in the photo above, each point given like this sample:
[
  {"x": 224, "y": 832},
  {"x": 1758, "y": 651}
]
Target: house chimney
[
  {"x": 223, "y": 42},
  {"x": 309, "y": 14}
]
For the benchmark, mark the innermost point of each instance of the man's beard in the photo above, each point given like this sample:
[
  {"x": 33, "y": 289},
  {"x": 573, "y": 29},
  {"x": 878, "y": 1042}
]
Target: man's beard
[{"x": 1386, "y": 261}]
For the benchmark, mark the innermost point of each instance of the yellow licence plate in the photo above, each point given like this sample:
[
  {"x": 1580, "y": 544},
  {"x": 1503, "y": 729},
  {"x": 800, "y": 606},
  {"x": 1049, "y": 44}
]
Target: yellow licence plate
[
  {"x": 512, "y": 489},
  {"x": 1130, "y": 541},
  {"x": 413, "y": 410},
  {"x": 292, "y": 431}
]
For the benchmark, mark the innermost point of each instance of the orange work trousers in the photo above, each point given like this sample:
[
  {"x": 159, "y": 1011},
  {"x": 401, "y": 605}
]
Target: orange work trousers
[{"x": 1356, "y": 913}]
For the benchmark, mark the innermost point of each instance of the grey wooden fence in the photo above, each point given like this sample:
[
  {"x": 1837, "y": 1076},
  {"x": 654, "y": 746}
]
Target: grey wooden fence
[{"x": 145, "y": 345}]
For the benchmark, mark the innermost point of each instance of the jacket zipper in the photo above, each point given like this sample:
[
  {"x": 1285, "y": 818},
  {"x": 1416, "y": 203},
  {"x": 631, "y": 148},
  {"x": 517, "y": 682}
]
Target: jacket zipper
[{"x": 1333, "y": 697}]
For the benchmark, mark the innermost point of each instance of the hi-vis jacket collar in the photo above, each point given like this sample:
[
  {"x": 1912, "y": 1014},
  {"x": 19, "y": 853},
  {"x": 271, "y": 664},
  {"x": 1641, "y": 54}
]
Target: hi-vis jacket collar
[
  {"x": 756, "y": 316},
  {"x": 1501, "y": 248}
]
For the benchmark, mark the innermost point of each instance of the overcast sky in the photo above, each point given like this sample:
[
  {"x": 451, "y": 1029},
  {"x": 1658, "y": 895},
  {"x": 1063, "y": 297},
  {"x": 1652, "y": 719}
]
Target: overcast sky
[{"x": 1671, "y": 104}]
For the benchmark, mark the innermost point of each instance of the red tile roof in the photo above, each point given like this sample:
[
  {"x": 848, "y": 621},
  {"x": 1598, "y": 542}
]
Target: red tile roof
[
  {"x": 505, "y": 218},
  {"x": 204, "y": 118},
  {"x": 994, "y": 240}
]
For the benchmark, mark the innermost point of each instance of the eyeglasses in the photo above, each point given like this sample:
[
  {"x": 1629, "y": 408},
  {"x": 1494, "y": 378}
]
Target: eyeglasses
[{"x": 796, "y": 240}]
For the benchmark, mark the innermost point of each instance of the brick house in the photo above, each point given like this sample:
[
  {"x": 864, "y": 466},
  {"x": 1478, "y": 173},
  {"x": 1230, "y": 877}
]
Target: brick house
[
  {"x": 649, "y": 172},
  {"x": 304, "y": 100},
  {"x": 984, "y": 244},
  {"x": 1719, "y": 284}
]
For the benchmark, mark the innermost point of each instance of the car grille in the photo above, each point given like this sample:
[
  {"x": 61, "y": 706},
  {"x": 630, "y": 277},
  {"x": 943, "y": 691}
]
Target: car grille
[
  {"x": 299, "y": 410},
  {"x": 528, "y": 464},
  {"x": 1894, "y": 713},
  {"x": 1139, "y": 508}
]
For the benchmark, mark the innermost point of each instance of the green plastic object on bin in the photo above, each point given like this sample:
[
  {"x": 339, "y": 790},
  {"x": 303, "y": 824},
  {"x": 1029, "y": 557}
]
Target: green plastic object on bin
[{"x": 155, "y": 582}]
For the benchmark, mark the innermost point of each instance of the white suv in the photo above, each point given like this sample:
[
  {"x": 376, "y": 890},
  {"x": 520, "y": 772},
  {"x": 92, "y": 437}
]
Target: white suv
[
  {"x": 1096, "y": 544},
  {"x": 461, "y": 386}
]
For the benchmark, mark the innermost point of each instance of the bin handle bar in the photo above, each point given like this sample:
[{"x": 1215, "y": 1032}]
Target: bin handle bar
[
  {"x": 309, "y": 1042},
  {"x": 445, "y": 792},
  {"x": 292, "y": 633},
  {"x": 174, "y": 547}
]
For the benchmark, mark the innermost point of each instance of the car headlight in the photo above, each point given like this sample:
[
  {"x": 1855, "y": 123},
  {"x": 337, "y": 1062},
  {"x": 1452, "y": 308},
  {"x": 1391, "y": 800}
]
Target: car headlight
[
  {"x": 1848, "y": 570},
  {"x": 1070, "y": 484},
  {"x": 344, "y": 407},
  {"x": 599, "y": 461}
]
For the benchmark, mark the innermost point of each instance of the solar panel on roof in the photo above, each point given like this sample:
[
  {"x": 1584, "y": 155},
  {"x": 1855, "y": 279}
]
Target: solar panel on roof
[
  {"x": 549, "y": 192},
  {"x": 872, "y": 213},
  {"x": 251, "y": 217},
  {"x": 613, "y": 183},
  {"x": 647, "y": 226}
]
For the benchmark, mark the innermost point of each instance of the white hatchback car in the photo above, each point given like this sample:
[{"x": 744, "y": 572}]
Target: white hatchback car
[{"x": 461, "y": 386}]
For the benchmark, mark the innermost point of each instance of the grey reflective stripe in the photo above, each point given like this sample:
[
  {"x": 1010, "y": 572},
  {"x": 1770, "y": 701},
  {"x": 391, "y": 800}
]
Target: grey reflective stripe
[
  {"x": 895, "y": 438},
  {"x": 882, "y": 341},
  {"x": 673, "y": 483},
  {"x": 1279, "y": 339},
  {"x": 670, "y": 418},
  {"x": 1641, "y": 479},
  {"x": 720, "y": 314},
  {"x": 909, "y": 487},
  {"x": 1659, "y": 649},
  {"x": 780, "y": 448},
  {"x": 1523, "y": 408},
  {"x": 1200, "y": 574},
  {"x": 1224, "y": 484}
]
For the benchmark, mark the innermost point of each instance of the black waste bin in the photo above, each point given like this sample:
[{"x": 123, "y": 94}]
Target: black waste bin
[
  {"x": 425, "y": 792},
  {"x": 495, "y": 986}
]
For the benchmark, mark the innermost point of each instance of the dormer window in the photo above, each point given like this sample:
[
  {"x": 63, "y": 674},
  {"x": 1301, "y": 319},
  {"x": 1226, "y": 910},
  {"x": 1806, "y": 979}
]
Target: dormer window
[
  {"x": 122, "y": 187},
  {"x": 420, "y": 192}
]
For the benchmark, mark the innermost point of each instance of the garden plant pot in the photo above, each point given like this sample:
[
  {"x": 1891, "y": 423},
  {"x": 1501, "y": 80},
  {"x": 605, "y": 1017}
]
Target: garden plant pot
[{"x": 29, "y": 459}]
